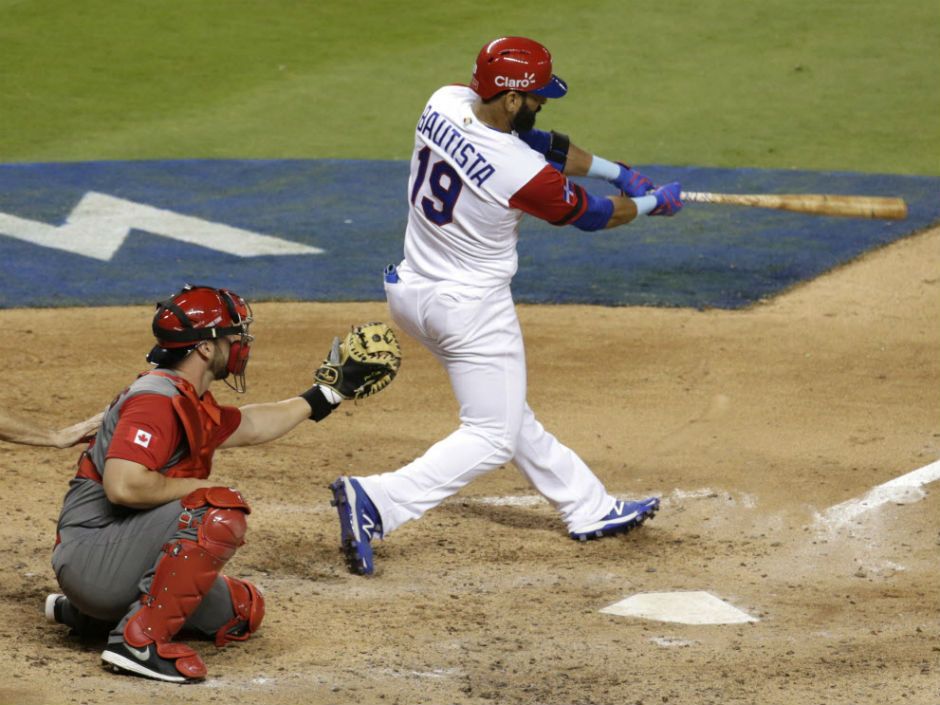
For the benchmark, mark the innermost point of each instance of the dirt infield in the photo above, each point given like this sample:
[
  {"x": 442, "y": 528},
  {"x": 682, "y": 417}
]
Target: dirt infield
[{"x": 750, "y": 424}]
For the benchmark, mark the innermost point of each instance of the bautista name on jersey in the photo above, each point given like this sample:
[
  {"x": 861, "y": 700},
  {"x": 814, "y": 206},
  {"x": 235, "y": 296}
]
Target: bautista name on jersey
[
  {"x": 445, "y": 135},
  {"x": 469, "y": 186}
]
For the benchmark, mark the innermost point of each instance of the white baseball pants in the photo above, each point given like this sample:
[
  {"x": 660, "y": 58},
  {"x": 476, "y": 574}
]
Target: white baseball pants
[{"x": 475, "y": 334}]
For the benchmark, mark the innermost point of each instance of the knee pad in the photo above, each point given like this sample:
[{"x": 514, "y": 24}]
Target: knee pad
[
  {"x": 222, "y": 497},
  {"x": 222, "y": 531},
  {"x": 248, "y": 605},
  {"x": 221, "y": 528}
]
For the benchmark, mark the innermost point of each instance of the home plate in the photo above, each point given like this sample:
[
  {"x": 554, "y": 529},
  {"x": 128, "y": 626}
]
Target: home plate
[{"x": 682, "y": 607}]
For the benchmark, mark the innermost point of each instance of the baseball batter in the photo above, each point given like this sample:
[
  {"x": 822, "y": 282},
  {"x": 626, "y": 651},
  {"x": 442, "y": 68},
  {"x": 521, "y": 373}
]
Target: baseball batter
[
  {"x": 144, "y": 532},
  {"x": 479, "y": 166}
]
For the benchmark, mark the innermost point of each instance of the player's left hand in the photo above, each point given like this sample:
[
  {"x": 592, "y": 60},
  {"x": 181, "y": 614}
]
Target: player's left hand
[
  {"x": 363, "y": 363},
  {"x": 668, "y": 199},
  {"x": 632, "y": 182}
]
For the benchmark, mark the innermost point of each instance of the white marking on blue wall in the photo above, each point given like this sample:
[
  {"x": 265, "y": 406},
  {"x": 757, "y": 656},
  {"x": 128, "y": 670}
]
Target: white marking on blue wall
[{"x": 99, "y": 225}]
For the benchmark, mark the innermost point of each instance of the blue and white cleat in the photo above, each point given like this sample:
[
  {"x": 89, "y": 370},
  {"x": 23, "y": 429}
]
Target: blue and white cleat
[
  {"x": 621, "y": 519},
  {"x": 359, "y": 523}
]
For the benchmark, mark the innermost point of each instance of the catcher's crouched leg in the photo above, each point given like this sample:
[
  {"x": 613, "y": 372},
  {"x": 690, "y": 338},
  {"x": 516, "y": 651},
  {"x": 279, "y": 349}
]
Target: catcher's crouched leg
[
  {"x": 211, "y": 527},
  {"x": 248, "y": 604}
]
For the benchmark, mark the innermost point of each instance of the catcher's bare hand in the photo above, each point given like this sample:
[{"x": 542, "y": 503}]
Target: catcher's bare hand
[
  {"x": 82, "y": 432},
  {"x": 363, "y": 363}
]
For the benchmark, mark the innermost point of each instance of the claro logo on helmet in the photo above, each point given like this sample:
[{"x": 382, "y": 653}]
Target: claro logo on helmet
[{"x": 506, "y": 82}]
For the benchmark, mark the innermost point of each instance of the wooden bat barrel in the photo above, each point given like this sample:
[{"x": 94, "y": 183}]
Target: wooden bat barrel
[{"x": 815, "y": 203}]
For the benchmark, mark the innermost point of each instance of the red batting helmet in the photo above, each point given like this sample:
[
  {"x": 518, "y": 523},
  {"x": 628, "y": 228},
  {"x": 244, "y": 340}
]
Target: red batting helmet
[
  {"x": 515, "y": 64},
  {"x": 200, "y": 313}
]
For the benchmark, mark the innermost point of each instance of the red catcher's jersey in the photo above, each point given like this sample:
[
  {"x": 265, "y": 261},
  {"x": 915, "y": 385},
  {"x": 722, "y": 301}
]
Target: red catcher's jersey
[{"x": 156, "y": 422}]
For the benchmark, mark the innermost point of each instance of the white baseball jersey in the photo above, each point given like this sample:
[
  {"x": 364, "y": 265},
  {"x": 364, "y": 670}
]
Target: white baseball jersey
[{"x": 469, "y": 187}]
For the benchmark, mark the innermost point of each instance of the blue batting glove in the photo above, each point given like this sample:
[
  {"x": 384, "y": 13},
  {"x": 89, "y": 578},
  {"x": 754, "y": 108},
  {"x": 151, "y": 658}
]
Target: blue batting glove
[
  {"x": 668, "y": 199},
  {"x": 632, "y": 182}
]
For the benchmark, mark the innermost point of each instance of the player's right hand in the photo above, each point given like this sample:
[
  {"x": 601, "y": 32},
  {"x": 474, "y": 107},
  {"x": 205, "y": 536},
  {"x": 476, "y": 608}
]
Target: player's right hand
[
  {"x": 631, "y": 182},
  {"x": 82, "y": 432},
  {"x": 668, "y": 199}
]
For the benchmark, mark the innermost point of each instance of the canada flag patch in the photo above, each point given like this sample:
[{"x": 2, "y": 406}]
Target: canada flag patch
[{"x": 142, "y": 438}]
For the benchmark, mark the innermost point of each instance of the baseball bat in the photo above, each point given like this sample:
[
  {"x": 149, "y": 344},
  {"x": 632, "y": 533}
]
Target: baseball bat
[{"x": 819, "y": 204}]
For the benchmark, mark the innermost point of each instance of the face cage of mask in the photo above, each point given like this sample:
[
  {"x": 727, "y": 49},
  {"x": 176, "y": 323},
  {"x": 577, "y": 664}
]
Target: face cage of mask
[{"x": 237, "y": 362}]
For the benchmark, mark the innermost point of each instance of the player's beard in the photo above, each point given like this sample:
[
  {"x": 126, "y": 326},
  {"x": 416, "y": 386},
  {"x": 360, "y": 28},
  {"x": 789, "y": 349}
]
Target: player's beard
[
  {"x": 524, "y": 120},
  {"x": 219, "y": 364}
]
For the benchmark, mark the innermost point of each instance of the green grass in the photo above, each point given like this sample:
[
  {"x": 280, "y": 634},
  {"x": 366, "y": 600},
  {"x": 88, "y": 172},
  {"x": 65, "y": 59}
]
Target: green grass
[{"x": 841, "y": 85}]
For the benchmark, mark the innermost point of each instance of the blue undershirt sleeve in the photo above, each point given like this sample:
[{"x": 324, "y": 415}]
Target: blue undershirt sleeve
[{"x": 541, "y": 142}]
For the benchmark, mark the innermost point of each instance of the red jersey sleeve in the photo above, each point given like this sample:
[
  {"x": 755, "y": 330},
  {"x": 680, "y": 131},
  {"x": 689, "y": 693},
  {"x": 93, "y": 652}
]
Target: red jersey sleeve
[
  {"x": 231, "y": 420},
  {"x": 549, "y": 195},
  {"x": 147, "y": 432}
]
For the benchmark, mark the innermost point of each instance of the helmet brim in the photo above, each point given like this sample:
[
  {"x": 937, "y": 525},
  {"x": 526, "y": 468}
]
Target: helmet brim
[{"x": 555, "y": 88}]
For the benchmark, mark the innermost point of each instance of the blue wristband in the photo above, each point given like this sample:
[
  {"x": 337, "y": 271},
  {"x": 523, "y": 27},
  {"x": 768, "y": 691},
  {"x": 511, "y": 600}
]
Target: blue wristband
[{"x": 602, "y": 169}]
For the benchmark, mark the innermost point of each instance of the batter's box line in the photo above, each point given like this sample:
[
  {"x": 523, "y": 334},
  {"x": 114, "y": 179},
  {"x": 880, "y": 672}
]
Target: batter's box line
[{"x": 905, "y": 489}]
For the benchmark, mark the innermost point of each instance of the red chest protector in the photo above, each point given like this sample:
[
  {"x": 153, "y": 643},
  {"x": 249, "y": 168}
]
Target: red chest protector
[{"x": 199, "y": 419}]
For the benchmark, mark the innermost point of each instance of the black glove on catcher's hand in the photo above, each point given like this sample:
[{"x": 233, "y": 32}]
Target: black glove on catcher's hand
[{"x": 363, "y": 363}]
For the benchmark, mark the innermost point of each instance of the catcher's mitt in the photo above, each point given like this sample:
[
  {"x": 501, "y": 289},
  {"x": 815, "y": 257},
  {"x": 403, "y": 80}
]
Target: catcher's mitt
[{"x": 363, "y": 363}]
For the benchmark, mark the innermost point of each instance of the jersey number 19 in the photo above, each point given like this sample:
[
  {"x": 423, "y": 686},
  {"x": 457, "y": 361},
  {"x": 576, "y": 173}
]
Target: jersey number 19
[{"x": 445, "y": 185}]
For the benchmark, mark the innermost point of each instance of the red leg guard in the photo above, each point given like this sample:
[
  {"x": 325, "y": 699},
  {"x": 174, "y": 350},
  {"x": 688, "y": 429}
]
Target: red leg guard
[
  {"x": 186, "y": 660},
  {"x": 182, "y": 578},
  {"x": 248, "y": 603}
]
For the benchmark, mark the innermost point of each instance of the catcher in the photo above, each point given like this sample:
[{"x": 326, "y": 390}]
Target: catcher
[{"x": 144, "y": 532}]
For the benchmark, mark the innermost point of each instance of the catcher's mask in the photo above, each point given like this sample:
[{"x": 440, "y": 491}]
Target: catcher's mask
[
  {"x": 515, "y": 64},
  {"x": 200, "y": 313}
]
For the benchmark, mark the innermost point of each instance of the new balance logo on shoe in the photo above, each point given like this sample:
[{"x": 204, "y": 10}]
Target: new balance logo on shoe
[{"x": 367, "y": 526}]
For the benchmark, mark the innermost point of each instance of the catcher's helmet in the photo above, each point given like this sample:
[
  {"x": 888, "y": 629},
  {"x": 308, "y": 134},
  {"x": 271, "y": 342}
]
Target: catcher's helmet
[
  {"x": 515, "y": 64},
  {"x": 200, "y": 313}
]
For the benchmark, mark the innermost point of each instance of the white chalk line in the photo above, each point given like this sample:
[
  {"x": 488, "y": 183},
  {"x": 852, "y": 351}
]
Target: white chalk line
[
  {"x": 510, "y": 501},
  {"x": 676, "y": 496},
  {"x": 905, "y": 489}
]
